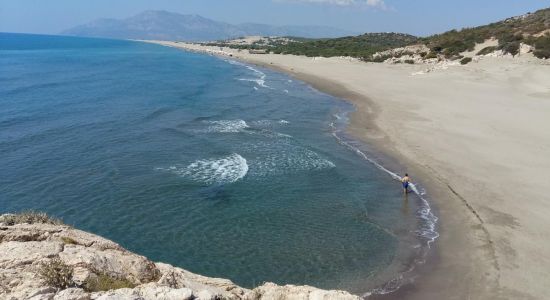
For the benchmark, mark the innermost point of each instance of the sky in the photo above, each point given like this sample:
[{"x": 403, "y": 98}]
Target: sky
[{"x": 418, "y": 17}]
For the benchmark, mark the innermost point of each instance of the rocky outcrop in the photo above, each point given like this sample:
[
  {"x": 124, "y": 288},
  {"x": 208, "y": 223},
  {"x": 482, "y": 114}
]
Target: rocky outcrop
[{"x": 102, "y": 269}]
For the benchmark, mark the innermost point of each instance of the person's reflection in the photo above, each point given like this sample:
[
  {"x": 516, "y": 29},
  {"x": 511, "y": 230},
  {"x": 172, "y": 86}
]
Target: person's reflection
[{"x": 405, "y": 205}]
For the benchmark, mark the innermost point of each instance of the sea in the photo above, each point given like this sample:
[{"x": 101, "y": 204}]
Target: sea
[{"x": 210, "y": 164}]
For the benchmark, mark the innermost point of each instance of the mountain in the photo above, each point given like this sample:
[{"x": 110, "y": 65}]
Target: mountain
[{"x": 163, "y": 25}]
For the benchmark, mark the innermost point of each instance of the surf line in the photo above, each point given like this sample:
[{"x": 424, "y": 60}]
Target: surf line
[{"x": 425, "y": 232}]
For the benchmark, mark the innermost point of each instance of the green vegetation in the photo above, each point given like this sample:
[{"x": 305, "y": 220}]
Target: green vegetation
[
  {"x": 103, "y": 282},
  {"x": 29, "y": 217},
  {"x": 542, "y": 47},
  {"x": 69, "y": 241},
  {"x": 362, "y": 46},
  {"x": 56, "y": 273},
  {"x": 487, "y": 50},
  {"x": 465, "y": 60},
  {"x": 510, "y": 33}
]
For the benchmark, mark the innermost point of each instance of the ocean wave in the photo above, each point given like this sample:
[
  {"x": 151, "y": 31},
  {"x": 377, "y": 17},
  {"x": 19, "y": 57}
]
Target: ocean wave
[
  {"x": 277, "y": 158},
  {"x": 269, "y": 123},
  {"x": 258, "y": 81},
  {"x": 226, "y": 126},
  {"x": 238, "y": 126},
  {"x": 213, "y": 171},
  {"x": 261, "y": 76},
  {"x": 294, "y": 161}
]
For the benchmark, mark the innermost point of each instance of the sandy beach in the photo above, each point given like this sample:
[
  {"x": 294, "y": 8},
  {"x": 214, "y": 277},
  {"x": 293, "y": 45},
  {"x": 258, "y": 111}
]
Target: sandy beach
[{"x": 478, "y": 137}]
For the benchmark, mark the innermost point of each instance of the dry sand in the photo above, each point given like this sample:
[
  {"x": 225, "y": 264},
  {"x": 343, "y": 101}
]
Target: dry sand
[{"x": 478, "y": 136}]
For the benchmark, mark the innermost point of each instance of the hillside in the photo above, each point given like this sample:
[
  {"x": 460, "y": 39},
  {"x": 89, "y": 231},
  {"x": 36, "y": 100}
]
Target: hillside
[
  {"x": 163, "y": 25},
  {"x": 356, "y": 46},
  {"x": 531, "y": 29}
]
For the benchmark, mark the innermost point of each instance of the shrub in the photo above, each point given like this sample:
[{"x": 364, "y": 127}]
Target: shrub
[
  {"x": 511, "y": 47},
  {"x": 542, "y": 47},
  {"x": 465, "y": 60},
  {"x": 56, "y": 273},
  {"x": 409, "y": 61},
  {"x": 29, "y": 217},
  {"x": 69, "y": 241},
  {"x": 545, "y": 53},
  {"x": 104, "y": 282},
  {"x": 431, "y": 55},
  {"x": 487, "y": 50}
]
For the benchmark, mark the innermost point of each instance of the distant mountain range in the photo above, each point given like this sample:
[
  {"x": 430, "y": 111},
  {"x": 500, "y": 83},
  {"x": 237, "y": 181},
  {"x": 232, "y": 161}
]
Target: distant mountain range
[{"x": 164, "y": 25}]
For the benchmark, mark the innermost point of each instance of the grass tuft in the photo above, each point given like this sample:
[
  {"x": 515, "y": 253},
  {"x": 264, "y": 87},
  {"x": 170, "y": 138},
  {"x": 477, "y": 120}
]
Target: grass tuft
[
  {"x": 29, "y": 217},
  {"x": 56, "y": 273},
  {"x": 104, "y": 282},
  {"x": 68, "y": 241}
]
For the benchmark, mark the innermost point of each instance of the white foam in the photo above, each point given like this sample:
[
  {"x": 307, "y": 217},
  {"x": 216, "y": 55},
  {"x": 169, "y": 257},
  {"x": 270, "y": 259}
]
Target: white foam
[
  {"x": 261, "y": 76},
  {"x": 260, "y": 82},
  {"x": 214, "y": 171},
  {"x": 427, "y": 230},
  {"x": 425, "y": 212},
  {"x": 283, "y": 157},
  {"x": 269, "y": 123},
  {"x": 226, "y": 126}
]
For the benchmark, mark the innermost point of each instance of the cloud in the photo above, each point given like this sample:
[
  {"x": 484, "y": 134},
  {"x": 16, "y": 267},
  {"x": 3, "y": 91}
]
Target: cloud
[{"x": 372, "y": 3}]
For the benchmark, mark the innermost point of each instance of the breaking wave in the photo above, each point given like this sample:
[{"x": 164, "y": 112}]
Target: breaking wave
[
  {"x": 226, "y": 126},
  {"x": 213, "y": 171},
  {"x": 283, "y": 157}
]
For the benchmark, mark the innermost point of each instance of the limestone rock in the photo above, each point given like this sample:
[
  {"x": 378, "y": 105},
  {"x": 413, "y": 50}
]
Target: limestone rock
[
  {"x": 154, "y": 292},
  {"x": 271, "y": 291},
  {"x": 118, "y": 264},
  {"x": 72, "y": 294},
  {"x": 24, "y": 247}
]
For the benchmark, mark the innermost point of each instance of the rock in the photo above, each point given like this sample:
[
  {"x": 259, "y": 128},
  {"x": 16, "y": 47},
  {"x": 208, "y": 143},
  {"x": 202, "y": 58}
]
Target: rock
[
  {"x": 119, "y": 264},
  {"x": 81, "y": 274},
  {"x": 524, "y": 48},
  {"x": 120, "y": 294},
  {"x": 206, "y": 295},
  {"x": 72, "y": 294},
  {"x": 154, "y": 292},
  {"x": 48, "y": 296},
  {"x": 271, "y": 291},
  {"x": 20, "y": 253},
  {"x": 24, "y": 247}
]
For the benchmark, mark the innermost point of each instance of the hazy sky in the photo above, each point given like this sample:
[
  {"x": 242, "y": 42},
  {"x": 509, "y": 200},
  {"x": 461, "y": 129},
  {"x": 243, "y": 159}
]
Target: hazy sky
[{"x": 420, "y": 17}]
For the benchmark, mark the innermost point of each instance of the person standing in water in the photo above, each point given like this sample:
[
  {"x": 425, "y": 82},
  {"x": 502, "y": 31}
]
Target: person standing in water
[{"x": 405, "y": 181}]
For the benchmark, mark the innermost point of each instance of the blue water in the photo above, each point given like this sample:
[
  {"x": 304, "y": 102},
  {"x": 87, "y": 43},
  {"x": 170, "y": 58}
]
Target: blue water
[{"x": 215, "y": 166}]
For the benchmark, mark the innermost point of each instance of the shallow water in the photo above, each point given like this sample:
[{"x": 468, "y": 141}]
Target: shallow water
[{"x": 215, "y": 166}]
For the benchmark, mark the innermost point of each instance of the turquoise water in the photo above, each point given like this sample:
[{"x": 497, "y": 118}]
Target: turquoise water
[{"x": 212, "y": 165}]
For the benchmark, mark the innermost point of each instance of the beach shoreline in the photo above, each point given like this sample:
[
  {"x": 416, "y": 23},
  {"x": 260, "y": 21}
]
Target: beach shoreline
[{"x": 468, "y": 133}]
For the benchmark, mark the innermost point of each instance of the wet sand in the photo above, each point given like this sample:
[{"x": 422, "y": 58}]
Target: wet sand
[{"x": 478, "y": 137}]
